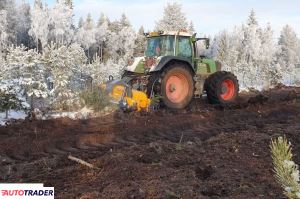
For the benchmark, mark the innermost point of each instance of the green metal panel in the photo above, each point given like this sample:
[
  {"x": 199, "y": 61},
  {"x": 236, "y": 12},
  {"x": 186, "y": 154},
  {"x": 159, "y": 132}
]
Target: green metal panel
[
  {"x": 201, "y": 68},
  {"x": 140, "y": 68},
  {"x": 206, "y": 66},
  {"x": 211, "y": 64}
]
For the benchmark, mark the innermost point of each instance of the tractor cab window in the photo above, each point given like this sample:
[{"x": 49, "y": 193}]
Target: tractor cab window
[
  {"x": 184, "y": 47},
  {"x": 160, "y": 46}
]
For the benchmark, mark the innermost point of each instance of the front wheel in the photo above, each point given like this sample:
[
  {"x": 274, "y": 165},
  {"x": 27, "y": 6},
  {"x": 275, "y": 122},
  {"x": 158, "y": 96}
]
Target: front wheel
[
  {"x": 177, "y": 86},
  {"x": 222, "y": 88}
]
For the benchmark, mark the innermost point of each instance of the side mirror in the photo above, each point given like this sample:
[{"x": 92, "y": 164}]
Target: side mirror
[
  {"x": 193, "y": 38},
  {"x": 207, "y": 43}
]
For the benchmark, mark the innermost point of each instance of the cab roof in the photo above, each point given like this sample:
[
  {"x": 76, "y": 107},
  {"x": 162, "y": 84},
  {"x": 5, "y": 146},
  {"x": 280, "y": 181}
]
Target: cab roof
[{"x": 161, "y": 33}]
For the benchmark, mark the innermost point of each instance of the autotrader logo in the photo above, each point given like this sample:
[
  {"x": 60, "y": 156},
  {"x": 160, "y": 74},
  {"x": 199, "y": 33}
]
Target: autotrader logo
[{"x": 28, "y": 191}]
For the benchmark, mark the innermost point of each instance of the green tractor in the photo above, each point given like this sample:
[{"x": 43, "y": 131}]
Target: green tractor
[{"x": 172, "y": 70}]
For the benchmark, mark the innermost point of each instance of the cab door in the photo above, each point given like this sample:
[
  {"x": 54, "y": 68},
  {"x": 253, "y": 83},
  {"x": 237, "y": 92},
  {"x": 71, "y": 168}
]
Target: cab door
[{"x": 184, "y": 48}]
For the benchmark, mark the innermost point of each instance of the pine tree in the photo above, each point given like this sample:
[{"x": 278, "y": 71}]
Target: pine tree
[
  {"x": 140, "y": 42},
  {"x": 251, "y": 42},
  {"x": 248, "y": 51},
  {"x": 250, "y": 54},
  {"x": 3, "y": 4},
  {"x": 89, "y": 23},
  {"x": 191, "y": 27},
  {"x": 23, "y": 25},
  {"x": 69, "y": 3},
  {"x": 3, "y": 32},
  {"x": 173, "y": 18},
  {"x": 26, "y": 73},
  {"x": 80, "y": 22},
  {"x": 102, "y": 33},
  {"x": 86, "y": 35},
  {"x": 288, "y": 54},
  {"x": 269, "y": 72},
  {"x": 63, "y": 63},
  {"x": 121, "y": 40},
  {"x": 9, "y": 6},
  {"x": 223, "y": 47},
  {"x": 102, "y": 19},
  {"x": 124, "y": 22},
  {"x": 252, "y": 19}
]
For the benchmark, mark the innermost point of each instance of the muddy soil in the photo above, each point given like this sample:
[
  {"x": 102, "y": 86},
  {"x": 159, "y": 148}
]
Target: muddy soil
[{"x": 204, "y": 151}]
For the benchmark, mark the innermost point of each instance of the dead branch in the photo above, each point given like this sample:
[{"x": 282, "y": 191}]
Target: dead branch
[{"x": 70, "y": 157}]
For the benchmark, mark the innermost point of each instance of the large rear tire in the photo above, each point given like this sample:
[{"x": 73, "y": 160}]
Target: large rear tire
[
  {"x": 222, "y": 88},
  {"x": 177, "y": 86}
]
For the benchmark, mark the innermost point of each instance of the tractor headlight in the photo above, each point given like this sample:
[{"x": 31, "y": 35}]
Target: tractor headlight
[{"x": 130, "y": 61}]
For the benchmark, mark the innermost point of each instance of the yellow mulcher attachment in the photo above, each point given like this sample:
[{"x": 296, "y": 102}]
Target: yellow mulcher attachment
[{"x": 127, "y": 98}]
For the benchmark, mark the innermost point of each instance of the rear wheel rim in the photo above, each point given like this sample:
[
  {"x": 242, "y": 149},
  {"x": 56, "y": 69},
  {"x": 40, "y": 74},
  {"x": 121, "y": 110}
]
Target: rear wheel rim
[
  {"x": 228, "y": 90},
  {"x": 177, "y": 88}
]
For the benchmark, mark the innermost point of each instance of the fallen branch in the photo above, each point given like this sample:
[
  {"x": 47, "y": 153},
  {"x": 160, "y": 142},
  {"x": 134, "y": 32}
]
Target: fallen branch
[{"x": 70, "y": 157}]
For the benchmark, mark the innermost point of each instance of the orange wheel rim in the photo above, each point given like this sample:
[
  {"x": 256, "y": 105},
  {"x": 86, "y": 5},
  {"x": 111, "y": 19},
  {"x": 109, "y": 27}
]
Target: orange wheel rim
[
  {"x": 228, "y": 89},
  {"x": 177, "y": 88}
]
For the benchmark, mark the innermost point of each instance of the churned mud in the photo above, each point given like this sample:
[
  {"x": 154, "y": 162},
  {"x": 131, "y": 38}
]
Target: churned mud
[{"x": 205, "y": 151}]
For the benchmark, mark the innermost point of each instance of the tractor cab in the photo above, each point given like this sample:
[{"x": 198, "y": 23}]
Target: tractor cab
[
  {"x": 165, "y": 46},
  {"x": 170, "y": 43}
]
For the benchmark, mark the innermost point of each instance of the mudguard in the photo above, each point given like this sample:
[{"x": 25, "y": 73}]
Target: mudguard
[{"x": 167, "y": 59}]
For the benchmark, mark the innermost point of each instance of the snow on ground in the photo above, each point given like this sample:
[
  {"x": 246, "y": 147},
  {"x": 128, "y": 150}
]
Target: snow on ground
[
  {"x": 17, "y": 115},
  {"x": 21, "y": 115},
  {"x": 84, "y": 113}
]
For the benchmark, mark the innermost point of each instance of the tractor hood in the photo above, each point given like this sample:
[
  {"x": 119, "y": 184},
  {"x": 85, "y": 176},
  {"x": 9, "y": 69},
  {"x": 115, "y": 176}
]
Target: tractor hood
[{"x": 143, "y": 65}]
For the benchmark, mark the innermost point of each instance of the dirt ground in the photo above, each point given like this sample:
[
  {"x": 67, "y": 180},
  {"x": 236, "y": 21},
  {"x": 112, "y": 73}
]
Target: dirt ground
[{"x": 204, "y": 151}]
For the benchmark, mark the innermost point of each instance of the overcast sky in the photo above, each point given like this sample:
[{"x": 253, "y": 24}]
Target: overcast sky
[{"x": 209, "y": 16}]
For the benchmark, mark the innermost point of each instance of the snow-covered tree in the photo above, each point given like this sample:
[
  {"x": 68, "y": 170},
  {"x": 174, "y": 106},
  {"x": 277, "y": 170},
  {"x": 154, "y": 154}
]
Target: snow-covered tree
[
  {"x": 191, "y": 27},
  {"x": 173, "y": 18},
  {"x": 69, "y": 3},
  {"x": 62, "y": 63},
  {"x": 80, "y": 22},
  {"x": 12, "y": 20},
  {"x": 86, "y": 35},
  {"x": 61, "y": 20},
  {"x": 226, "y": 48},
  {"x": 8, "y": 98},
  {"x": 140, "y": 42},
  {"x": 40, "y": 21},
  {"x": 222, "y": 41},
  {"x": 100, "y": 71},
  {"x": 25, "y": 66},
  {"x": 270, "y": 73},
  {"x": 23, "y": 24},
  {"x": 121, "y": 40},
  {"x": 122, "y": 44},
  {"x": 3, "y": 31},
  {"x": 102, "y": 19},
  {"x": 124, "y": 22},
  {"x": 22, "y": 76},
  {"x": 102, "y": 33},
  {"x": 128, "y": 37},
  {"x": 251, "y": 42},
  {"x": 288, "y": 54},
  {"x": 248, "y": 51},
  {"x": 248, "y": 64}
]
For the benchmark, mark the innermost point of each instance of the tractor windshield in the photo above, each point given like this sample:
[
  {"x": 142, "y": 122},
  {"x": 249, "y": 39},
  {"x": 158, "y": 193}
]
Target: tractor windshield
[{"x": 160, "y": 46}]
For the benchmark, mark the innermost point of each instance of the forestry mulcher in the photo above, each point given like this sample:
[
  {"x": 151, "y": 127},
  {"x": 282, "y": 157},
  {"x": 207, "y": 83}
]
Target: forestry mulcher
[{"x": 172, "y": 72}]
